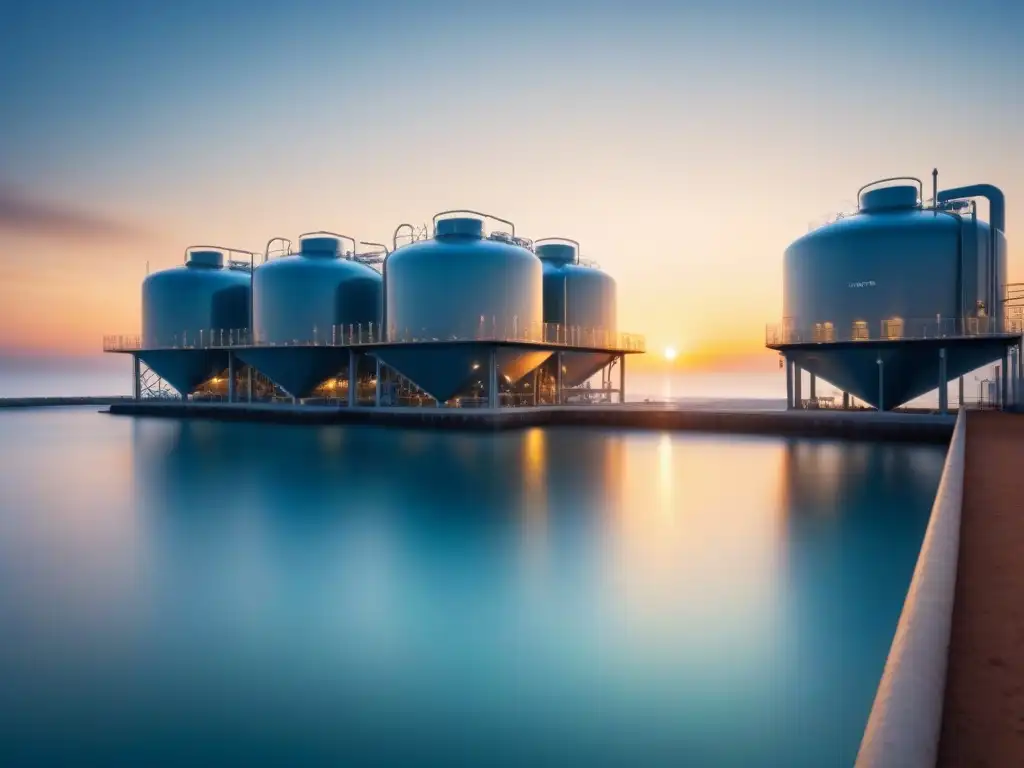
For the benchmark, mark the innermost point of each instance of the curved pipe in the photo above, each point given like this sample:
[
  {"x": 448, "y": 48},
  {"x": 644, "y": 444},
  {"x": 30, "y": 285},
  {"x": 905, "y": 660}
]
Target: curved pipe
[
  {"x": 475, "y": 213},
  {"x": 379, "y": 245},
  {"x": 920, "y": 186},
  {"x": 270, "y": 242},
  {"x": 994, "y": 195},
  {"x": 332, "y": 234},
  {"x": 997, "y": 223},
  {"x": 394, "y": 238},
  {"x": 560, "y": 240}
]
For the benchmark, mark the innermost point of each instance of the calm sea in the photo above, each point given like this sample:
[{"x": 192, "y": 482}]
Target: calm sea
[{"x": 229, "y": 594}]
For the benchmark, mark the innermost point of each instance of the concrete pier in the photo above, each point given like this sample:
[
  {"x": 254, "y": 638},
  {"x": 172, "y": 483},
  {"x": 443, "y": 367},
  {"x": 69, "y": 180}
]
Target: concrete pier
[
  {"x": 865, "y": 425},
  {"x": 983, "y": 716}
]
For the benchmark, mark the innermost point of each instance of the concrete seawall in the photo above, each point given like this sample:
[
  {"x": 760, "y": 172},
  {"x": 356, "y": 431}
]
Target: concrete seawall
[
  {"x": 39, "y": 402},
  {"x": 906, "y": 718},
  {"x": 824, "y": 424}
]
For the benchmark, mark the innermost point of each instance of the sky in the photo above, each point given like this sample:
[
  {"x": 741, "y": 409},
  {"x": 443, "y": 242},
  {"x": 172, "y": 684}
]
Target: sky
[{"x": 685, "y": 145}]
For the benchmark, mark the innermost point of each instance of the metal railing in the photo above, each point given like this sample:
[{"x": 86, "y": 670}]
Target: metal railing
[
  {"x": 893, "y": 329},
  {"x": 350, "y": 335}
]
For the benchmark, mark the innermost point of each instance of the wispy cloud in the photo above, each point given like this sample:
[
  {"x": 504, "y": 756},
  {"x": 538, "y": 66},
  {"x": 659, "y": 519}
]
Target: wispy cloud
[{"x": 21, "y": 213}]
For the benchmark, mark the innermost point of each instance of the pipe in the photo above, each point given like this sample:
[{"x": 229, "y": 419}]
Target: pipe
[
  {"x": 994, "y": 195},
  {"x": 997, "y": 223},
  {"x": 935, "y": 187}
]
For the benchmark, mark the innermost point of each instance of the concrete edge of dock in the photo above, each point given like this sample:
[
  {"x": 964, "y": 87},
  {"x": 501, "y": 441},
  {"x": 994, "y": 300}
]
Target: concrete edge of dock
[
  {"x": 822, "y": 424},
  {"x": 906, "y": 718},
  {"x": 42, "y": 402}
]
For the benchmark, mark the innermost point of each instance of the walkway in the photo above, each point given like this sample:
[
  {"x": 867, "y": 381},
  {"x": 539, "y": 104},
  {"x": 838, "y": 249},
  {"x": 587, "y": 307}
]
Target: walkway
[{"x": 983, "y": 719}]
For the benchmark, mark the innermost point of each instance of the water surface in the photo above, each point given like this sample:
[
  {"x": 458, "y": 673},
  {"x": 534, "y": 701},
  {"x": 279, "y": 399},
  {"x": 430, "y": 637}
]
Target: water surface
[{"x": 195, "y": 593}]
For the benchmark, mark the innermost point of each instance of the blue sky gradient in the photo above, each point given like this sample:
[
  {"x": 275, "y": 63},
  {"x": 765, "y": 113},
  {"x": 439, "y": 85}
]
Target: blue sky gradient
[{"x": 691, "y": 141}]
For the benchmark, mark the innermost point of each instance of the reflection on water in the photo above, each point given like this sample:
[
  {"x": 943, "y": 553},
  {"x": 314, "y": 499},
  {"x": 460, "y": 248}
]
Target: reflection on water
[{"x": 273, "y": 594}]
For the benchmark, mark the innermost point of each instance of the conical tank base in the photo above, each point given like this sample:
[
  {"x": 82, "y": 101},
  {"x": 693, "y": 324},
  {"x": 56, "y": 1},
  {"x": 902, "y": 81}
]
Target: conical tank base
[
  {"x": 297, "y": 370},
  {"x": 447, "y": 371},
  {"x": 185, "y": 369},
  {"x": 909, "y": 369}
]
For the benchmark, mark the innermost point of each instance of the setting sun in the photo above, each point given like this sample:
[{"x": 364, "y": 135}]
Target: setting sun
[{"x": 670, "y": 353}]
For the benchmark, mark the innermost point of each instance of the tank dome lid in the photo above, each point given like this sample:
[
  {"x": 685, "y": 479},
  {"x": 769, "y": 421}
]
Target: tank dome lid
[
  {"x": 460, "y": 227},
  {"x": 898, "y": 197},
  {"x": 209, "y": 259},
  {"x": 321, "y": 247},
  {"x": 562, "y": 253}
]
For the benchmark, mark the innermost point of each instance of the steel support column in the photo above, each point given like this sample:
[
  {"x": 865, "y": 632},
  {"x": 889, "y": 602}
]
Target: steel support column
[
  {"x": 376, "y": 391},
  {"x": 798, "y": 390},
  {"x": 492, "y": 379},
  {"x": 622, "y": 379},
  {"x": 558, "y": 378},
  {"x": 1005, "y": 380},
  {"x": 136, "y": 378},
  {"x": 814, "y": 387},
  {"x": 249, "y": 384},
  {"x": 960, "y": 394},
  {"x": 231, "y": 376},
  {"x": 789, "y": 384},
  {"x": 943, "y": 383},
  {"x": 881, "y": 384},
  {"x": 353, "y": 378}
]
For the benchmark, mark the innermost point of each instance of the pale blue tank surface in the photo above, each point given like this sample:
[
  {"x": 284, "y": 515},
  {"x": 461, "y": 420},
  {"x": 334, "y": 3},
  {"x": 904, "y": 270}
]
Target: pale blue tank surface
[
  {"x": 460, "y": 284},
  {"x": 893, "y": 271},
  {"x": 183, "y": 305},
  {"x": 580, "y": 296},
  {"x": 893, "y": 260},
  {"x": 303, "y": 297},
  {"x": 462, "y": 287},
  {"x": 575, "y": 294}
]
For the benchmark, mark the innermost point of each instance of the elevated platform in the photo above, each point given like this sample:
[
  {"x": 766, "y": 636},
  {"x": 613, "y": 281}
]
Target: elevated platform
[
  {"x": 444, "y": 368},
  {"x": 865, "y": 425},
  {"x": 891, "y": 365}
]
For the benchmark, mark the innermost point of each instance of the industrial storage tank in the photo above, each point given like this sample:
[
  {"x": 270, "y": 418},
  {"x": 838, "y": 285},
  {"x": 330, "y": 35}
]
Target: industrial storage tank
[
  {"x": 302, "y": 297},
  {"x": 460, "y": 286},
  {"x": 314, "y": 300},
  {"x": 896, "y": 270},
  {"x": 578, "y": 295},
  {"x": 187, "y": 309},
  {"x": 206, "y": 294}
]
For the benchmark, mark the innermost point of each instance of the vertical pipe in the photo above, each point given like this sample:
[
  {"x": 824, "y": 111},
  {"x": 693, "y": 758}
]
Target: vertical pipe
[
  {"x": 231, "y": 376},
  {"x": 558, "y": 377},
  {"x": 789, "y": 384},
  {"x": 960, "y": 394},
  {"x": 943, "y": 383},
  {"x": 136, "y": 378},
  {"x": 353, "y": 377},
  {"x": 798, "y": 390},
  {"x": 492, "y": 379},
  {"x": 935, "y": 187},
  {"x": 622, "y": 379},
  {"x": 814, "y": 388}
]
